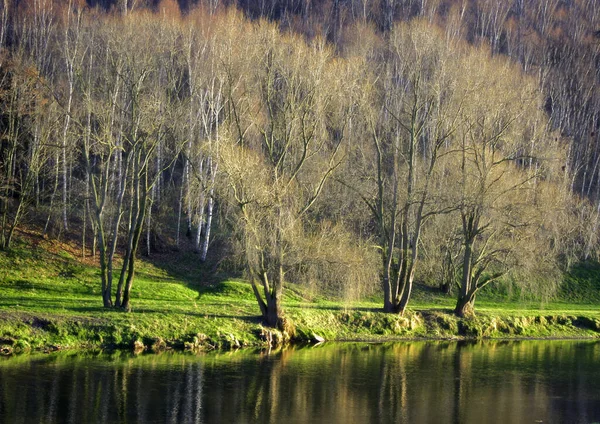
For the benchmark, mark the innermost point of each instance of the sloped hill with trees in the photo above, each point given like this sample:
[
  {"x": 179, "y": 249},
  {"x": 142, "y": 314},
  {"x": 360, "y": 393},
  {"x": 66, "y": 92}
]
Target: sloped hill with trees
[{"x": 355, "y": 148}]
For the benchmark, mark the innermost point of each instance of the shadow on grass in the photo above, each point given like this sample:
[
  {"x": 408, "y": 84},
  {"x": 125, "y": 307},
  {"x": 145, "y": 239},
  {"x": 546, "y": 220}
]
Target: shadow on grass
[
  {"x": 186, "y": 266},
  {"x": 253, "y": 319},
  {"x": 50, "y": 305},
  {"x": 582, "y": 283},
  {"x": 53, "y": 306},
  {"x": 50, "y": 288},
  {"x": 335, "y": 307}
]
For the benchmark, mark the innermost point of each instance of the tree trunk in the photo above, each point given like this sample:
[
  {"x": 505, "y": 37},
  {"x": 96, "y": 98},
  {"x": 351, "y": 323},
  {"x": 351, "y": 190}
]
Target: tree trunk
[
  {"x": 465, "y": 306},
  {"x": 149, "y": 222},
  {"x": 188, "y": 196},
  {"x": 261, "y": 303},
  {"x": 468, "y": 287},
  {"x": 270, "y": 302},
  {"x": 53, "y": 196},
  {"x": 274, "y": 312},
  {"x": 133, "y": 217},
  {"x": 115, "y": 226},
  {"x": 387, "y": 288},
  {"x": 200, "y": 217},
  {"x": 179, "y": 212},
  {"x": 126, "y": 303},
  {"x": 387, "y": 299},
  {"x": 407, "y": 290},
  {"x": 64, "y": 148},
  {"x": 208, "y": 226},
  {"x": 142, "y": 203},
  {"x": 104, "y": 274},
  {"x": 273, "y": 297},
  {"x": 392, "y": 307},
  {"x": 4, "y": 25}
]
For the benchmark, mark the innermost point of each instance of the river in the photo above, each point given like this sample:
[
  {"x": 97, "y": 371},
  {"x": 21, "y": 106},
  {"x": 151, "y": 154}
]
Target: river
[{"x": 407, "y": 382}]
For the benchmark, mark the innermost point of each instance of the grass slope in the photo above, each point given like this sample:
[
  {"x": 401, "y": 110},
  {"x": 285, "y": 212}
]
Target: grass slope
[{"x": 51, "y": 300}]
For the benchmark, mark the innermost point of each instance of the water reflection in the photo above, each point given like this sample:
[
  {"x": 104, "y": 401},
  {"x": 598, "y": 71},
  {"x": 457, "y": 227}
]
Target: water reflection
[{"x": 529, "y": 381}]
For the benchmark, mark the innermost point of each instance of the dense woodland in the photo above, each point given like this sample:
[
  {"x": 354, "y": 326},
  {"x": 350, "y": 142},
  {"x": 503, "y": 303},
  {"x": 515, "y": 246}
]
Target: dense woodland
[{"x": 349, "y": 145}]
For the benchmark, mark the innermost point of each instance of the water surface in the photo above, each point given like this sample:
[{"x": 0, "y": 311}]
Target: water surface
[{"x": 416, "y": 382}]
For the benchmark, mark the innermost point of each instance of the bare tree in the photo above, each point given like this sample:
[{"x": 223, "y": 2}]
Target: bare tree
[
  {"x": 27, "y": 125},
  {"x": 500, "y": 171},
  {"x": 410, "y": 127},
  {"x": 71, "y": 52},
  {"x": 295, "y": 153}
]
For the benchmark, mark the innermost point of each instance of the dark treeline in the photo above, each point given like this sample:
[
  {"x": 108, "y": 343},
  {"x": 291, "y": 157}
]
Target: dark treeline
[{"x": 336, "y": 144}]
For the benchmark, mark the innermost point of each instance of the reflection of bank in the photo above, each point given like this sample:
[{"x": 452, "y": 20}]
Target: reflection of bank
[
  {"x": 105, "y": 389},
  {"x": 408, "y": 382},
  {"x": 519, "y": 382}
]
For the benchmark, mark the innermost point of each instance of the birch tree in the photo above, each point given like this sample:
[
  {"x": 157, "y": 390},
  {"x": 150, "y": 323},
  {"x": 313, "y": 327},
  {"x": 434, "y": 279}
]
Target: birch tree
[{"x": 71, "y": 54}]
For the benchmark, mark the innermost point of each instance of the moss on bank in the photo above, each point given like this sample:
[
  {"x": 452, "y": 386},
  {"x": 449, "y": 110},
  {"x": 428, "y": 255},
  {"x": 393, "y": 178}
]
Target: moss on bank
[
  {"x": 49, "y": 300},
  {"x": 432, "y": 324},
  {"x": 22, "y": 332}
]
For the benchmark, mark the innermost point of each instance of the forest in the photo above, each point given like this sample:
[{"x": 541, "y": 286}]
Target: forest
[{"x": 355, "y": 147}]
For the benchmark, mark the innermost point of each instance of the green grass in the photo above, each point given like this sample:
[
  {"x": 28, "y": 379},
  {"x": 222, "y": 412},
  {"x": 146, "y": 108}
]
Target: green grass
[{"x": 52, "y": 300}]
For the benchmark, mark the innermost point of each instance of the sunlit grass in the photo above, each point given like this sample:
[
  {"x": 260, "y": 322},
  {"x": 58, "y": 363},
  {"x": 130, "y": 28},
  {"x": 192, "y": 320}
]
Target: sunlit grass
[{"x": 52, "y": 298}]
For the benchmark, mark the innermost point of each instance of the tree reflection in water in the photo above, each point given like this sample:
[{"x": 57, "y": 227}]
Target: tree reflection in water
[{"x": 414, "y": 382}]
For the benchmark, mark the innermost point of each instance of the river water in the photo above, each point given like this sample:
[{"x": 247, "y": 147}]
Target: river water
[{"x": 412, "y": 382}]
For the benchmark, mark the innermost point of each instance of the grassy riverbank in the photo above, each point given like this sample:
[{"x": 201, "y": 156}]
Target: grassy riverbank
[{"x": 51, "y": 300}]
